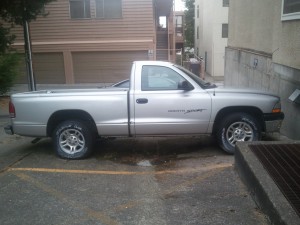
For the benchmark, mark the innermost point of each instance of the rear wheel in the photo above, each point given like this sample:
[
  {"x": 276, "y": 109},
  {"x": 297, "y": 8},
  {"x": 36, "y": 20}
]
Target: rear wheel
[
  {"x": 237, "y": 127},
  {"x": 73, "y": 140}
]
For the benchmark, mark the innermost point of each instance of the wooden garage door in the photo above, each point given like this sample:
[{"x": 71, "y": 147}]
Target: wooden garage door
[
  {"x": 104, "y": 67},
  {"x": 48, "y": 68}
]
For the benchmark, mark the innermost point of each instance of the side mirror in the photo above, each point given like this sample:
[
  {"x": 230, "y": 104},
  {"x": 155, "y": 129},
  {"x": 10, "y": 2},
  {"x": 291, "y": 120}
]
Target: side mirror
[{"x": 186, "y": 86}]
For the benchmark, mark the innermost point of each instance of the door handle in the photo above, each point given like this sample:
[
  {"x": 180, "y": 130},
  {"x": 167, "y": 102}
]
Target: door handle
[{"x": 142, "y": 101}]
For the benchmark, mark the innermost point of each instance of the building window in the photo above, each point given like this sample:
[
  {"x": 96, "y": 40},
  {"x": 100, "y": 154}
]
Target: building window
[
  {"x": 197, "y": 11},
  {"x": 109, "y": 9},
  {"x": 290, "y": 10},
  {"x": 197, "y": 32},
  {"x": 225, "y": 30},
  {"x": 80, "y": 9},
  {"x": 178, "y": 26},
  {"x": 225, "y": 3}
]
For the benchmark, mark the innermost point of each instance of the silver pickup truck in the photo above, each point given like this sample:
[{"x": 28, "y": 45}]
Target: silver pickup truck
[{"x": 162, "y": 99}]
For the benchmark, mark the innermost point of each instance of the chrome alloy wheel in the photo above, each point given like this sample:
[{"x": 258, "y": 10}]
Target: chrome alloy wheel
[
  {"x": 239, "y": 131},
  {"x": 71, "y": 141}
]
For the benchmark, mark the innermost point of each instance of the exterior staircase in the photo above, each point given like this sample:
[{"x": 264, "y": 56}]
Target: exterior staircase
[{"x": 162, "y": 45}]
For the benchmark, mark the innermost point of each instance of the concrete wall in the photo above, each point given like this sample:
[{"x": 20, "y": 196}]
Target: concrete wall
[
  {"x": 212, "y": 15},
  {"x": 251, "y": 24},
  {"x": 257, "y": 25},
  {"x": 264, "y": 53},
  {"x": 286, "y": 40}
]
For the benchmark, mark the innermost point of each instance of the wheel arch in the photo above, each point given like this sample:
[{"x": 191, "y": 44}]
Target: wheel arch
[
  {"x": 253, "y": 111},
  {"x": 64, "y": 115}
]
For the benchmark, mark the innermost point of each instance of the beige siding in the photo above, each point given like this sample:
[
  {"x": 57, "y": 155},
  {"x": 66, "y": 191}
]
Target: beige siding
[
  {"x": 92, "y": 46},
  {"x": 104, "y": 67},
  {"x": 136, "y": 24}
]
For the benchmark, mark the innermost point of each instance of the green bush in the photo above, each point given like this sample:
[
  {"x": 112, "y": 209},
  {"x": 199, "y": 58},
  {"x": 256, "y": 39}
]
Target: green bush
[{"x": 8, "y": 71}]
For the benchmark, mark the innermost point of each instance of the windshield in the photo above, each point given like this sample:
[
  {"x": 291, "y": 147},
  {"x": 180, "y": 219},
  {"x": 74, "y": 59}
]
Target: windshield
[{"x": 198, "y": 80}]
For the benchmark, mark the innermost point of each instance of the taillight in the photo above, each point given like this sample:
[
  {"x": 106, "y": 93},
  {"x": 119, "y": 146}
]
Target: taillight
[{"x": 12, "y": 111}]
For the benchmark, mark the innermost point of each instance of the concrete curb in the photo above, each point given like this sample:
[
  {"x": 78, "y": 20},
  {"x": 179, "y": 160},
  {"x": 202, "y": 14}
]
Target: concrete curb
[{"x": 263, "y": 189}]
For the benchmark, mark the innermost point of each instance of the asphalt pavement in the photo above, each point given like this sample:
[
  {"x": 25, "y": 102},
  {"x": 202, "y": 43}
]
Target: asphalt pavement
[{"x": 126, "y": 181}]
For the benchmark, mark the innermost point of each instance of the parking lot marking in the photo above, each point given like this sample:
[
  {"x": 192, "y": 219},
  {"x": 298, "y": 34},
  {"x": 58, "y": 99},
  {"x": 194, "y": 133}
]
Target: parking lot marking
[
  {"x": 13, "y": 163},
  {"x": 110, "y": 172},
  {"x": 209, "y": 171},
  {"x": 101, "y": 216}
]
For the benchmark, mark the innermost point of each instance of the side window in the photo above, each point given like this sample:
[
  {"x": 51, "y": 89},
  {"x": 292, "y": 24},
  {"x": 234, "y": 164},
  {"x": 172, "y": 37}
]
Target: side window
[
  {"x": 290, "y": 10},
  {"x": 225, "y": 30},
  {"x": 160, "y": 78},
  {"x": 225, "y": 3}
]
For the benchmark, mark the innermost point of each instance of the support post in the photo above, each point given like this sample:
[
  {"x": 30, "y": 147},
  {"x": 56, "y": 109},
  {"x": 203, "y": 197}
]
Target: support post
[{"x": 28, "y": 56}]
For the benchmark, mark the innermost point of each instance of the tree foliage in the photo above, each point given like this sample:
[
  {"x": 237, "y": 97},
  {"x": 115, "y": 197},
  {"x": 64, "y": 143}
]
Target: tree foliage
[
  {"x": 14, "y": 12},
  {"x": 8, "y": 60},
  {"x": 18, "y": 11},
  {"x": 8, "y": 71},
  {"x": 5, "y": 39},
  {"x": 189, "y": 22}
]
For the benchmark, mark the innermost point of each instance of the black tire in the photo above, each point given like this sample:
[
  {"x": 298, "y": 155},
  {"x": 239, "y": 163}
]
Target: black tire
[
  {"x": 73, "y": 140},
  {"x": 237, "y": 127}
]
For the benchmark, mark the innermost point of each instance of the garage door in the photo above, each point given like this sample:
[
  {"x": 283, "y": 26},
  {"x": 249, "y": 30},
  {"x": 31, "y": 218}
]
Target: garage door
[
  {"x": 104, "y": 67},
  {"x": 48, "y": 68},
  {"x": 22, "y": 74}
]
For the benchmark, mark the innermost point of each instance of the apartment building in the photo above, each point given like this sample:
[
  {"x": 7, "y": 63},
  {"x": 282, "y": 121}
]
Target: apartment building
[
  {"x": 95, "y": 41},
  {"x": 264, "y": 53},
  {"x": 211, "y": 34}
]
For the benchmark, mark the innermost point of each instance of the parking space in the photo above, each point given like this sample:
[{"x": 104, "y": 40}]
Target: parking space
[{"x": 126, "y": 181}]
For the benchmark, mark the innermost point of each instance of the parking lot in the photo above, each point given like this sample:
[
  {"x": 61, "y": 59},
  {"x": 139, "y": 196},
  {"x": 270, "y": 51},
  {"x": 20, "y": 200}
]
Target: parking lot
[{"x": 126, "y": 181}]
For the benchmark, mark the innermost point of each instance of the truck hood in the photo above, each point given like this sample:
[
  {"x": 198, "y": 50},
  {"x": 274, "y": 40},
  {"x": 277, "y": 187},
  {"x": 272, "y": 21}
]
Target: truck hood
[{"x": 225, "y": 90}]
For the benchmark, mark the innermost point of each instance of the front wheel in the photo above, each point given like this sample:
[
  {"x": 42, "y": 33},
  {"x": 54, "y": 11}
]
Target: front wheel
[
  {"x": 73, "y": 140},
  {"x": 237, "y": 127}
]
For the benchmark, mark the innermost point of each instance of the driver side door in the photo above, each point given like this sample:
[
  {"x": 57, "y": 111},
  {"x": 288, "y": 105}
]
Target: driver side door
[{"x": 163, "y": 108}]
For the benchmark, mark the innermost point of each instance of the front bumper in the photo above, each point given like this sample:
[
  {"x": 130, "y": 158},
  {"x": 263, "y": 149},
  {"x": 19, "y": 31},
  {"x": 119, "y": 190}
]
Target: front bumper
[
  {"x": 273, "y": 122},
  {"x": 9, "y": 129}
]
